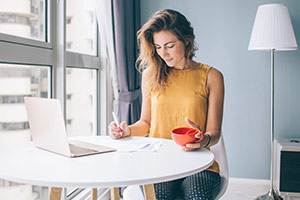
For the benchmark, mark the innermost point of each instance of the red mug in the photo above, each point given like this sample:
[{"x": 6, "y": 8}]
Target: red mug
[{"x": 185, "y": 135}]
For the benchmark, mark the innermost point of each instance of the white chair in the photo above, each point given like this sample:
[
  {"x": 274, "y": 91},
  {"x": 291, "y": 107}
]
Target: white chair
[
  {"x": 221, "y": 157},
  {"x": 134, "y": 192}
]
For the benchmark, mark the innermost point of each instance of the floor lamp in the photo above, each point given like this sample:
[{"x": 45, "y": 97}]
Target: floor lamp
[{"x": 273, "y": 31}]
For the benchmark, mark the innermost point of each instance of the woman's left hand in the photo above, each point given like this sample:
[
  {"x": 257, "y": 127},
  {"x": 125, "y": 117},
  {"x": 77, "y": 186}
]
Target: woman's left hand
[{"x": 197, "y": 145}]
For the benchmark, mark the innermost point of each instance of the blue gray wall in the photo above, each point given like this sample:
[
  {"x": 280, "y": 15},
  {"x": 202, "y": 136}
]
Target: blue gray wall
[{"x": 223, "y": 30}]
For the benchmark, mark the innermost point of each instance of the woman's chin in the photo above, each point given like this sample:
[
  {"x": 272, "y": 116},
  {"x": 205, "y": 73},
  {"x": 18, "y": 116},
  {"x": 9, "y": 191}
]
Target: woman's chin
[{"x": 170, "y": 64}]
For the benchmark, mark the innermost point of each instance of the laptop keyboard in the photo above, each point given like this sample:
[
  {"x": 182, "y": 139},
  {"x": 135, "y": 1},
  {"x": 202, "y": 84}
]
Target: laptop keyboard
[{"x": 76, "y": 150}]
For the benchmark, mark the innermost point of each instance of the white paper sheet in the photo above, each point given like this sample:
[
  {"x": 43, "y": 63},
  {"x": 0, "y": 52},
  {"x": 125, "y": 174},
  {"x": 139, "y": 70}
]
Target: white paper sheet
[{"x": 131, "y": 144}]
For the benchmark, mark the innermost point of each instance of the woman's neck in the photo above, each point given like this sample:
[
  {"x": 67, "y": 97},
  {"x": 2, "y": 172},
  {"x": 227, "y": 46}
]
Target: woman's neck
[{"x": 186, "y": 65}]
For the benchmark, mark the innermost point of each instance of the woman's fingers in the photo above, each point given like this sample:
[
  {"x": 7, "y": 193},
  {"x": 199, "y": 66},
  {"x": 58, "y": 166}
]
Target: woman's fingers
[
  {"x": 192, "y": 124},
  {"x": 124, "y": 128},
  {"x": 113, "y": 125},
  {"x": 198, "y": 135},
  {"x": 189, "y": 122},
  {"x": 189, "y": 149},
  {"x": 115, "y": 134},
  {"x": 191, "y": 146},
  {"x": 118, "y": 132},
  {"x": 114, "y": 131}
]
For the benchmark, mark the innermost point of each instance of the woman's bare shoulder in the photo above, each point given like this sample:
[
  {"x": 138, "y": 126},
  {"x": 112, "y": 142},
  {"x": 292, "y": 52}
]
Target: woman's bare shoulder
[
  {"x": 215, "y": 81},
  {"x": 146, "y": 80},
  {"x": 146, "y": 72},
  {"x": 215, "y": 75},
  {"x": 146, "y": 75}
]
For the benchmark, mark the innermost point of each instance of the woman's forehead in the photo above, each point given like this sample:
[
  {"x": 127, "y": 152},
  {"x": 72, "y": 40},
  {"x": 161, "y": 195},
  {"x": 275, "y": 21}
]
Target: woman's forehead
[{"x": 164, "y": 37}]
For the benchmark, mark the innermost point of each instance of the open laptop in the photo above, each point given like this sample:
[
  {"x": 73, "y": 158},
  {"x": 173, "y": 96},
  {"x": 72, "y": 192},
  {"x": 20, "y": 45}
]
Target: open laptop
[{"x": 48, "y": 130}]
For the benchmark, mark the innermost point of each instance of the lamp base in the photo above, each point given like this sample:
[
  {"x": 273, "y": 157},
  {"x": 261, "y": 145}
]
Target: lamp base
[{"x": 271, "y": 195}]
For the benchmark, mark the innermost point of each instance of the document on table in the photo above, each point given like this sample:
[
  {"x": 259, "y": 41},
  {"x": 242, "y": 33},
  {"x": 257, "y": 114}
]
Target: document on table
[{"x": 131, "y": 144}]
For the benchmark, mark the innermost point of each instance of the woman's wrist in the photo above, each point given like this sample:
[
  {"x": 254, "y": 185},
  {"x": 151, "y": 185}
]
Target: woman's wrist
[
  {"x": 208, "y": 140},
  {"x": 129, "y": 130}
]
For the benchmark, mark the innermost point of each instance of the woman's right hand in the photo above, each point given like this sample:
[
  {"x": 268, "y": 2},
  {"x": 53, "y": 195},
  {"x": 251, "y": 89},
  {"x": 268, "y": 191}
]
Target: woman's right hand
[{"x": 116, "y": 133}]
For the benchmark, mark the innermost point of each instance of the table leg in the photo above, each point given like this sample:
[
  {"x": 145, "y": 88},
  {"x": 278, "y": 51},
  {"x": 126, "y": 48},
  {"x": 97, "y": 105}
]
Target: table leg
[
  {"x": 94, "y": 194},
  {"x": 149, "y": 192},
  {"x": 55, "y": 193},
  {"x": 114, "y": 194}
]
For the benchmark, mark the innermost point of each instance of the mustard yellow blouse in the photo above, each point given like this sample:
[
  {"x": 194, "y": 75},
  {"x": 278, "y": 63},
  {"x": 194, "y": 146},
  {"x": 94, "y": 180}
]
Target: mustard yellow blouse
[{"x": 184, "y": 96}]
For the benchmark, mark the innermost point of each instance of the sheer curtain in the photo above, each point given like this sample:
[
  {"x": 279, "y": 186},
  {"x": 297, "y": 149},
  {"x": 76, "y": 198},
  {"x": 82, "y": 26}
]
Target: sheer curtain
[
  {"x": 119, "y": 20},
  {"x": 107, "y": 51}
]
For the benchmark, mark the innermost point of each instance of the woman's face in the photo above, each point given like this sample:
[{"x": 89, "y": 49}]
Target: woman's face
[{"x": 170, "y": 49}]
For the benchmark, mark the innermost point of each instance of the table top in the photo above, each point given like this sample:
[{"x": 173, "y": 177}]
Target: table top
[{"x": 27, "y": 164}]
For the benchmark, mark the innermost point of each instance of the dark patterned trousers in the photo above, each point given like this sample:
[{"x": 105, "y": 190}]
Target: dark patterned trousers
[{"x": 200, "y": 186}]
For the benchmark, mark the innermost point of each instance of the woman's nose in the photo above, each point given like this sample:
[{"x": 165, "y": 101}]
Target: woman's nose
[{"x": 164, "y": 52}]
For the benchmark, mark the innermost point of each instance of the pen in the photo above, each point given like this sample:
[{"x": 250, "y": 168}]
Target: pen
[{"x": 117, "y": 122}]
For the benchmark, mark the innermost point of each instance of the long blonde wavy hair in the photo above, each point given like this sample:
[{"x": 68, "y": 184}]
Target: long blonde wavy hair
[{"x": 163, "y": 20}]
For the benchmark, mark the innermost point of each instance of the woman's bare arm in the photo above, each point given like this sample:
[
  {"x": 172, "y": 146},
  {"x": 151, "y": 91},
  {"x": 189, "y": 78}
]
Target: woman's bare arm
[
  {"x": 142, "y": 126},
  {"x": 215, "y": 90}
]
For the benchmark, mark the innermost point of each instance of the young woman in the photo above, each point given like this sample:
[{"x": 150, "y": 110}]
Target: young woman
[{"x": 177, "y": 90}]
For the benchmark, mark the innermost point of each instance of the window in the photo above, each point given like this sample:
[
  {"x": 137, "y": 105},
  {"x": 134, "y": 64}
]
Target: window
[
  {"x": 82, "y": 106},
  {"x": 34, "y": 63},
  {"x": 25, "y": 20},
  {"x": 81, "y": 26},
  {"x": 16, "y": 82}
]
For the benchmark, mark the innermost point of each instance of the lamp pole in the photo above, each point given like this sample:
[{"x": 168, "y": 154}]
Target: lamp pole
[
  {"x": 271, "y": 195},
  {"x": 272, "y": 119}
]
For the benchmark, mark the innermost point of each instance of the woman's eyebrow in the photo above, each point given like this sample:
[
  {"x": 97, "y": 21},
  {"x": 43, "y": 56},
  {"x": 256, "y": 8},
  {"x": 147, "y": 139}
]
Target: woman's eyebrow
[
  {"x": 166, "y": 43},
  {"x": 169, "y": 42}
]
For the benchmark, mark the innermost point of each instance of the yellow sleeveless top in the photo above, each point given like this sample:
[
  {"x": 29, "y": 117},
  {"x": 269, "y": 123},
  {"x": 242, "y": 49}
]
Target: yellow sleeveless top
[{"x": 184, "y": 96}]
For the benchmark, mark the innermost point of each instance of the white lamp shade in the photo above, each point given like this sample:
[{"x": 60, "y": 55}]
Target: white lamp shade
[{"x": 272, "y": 29}]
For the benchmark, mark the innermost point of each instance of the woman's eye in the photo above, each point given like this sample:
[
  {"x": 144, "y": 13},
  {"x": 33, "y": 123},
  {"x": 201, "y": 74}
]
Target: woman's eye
[
  {"x": 157, "y": 47},
  {"x": 171, "y": 46}
]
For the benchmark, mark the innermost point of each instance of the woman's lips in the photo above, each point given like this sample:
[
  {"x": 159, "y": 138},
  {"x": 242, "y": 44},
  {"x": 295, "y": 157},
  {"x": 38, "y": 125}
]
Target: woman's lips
[{"x": 168, "y": 60}]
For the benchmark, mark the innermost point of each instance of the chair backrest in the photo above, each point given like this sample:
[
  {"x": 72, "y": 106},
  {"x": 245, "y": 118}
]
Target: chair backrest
[{"x": 221, "y": 157}]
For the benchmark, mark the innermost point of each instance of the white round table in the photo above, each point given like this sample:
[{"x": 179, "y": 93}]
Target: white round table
[{"x": 28, "y": 164}]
